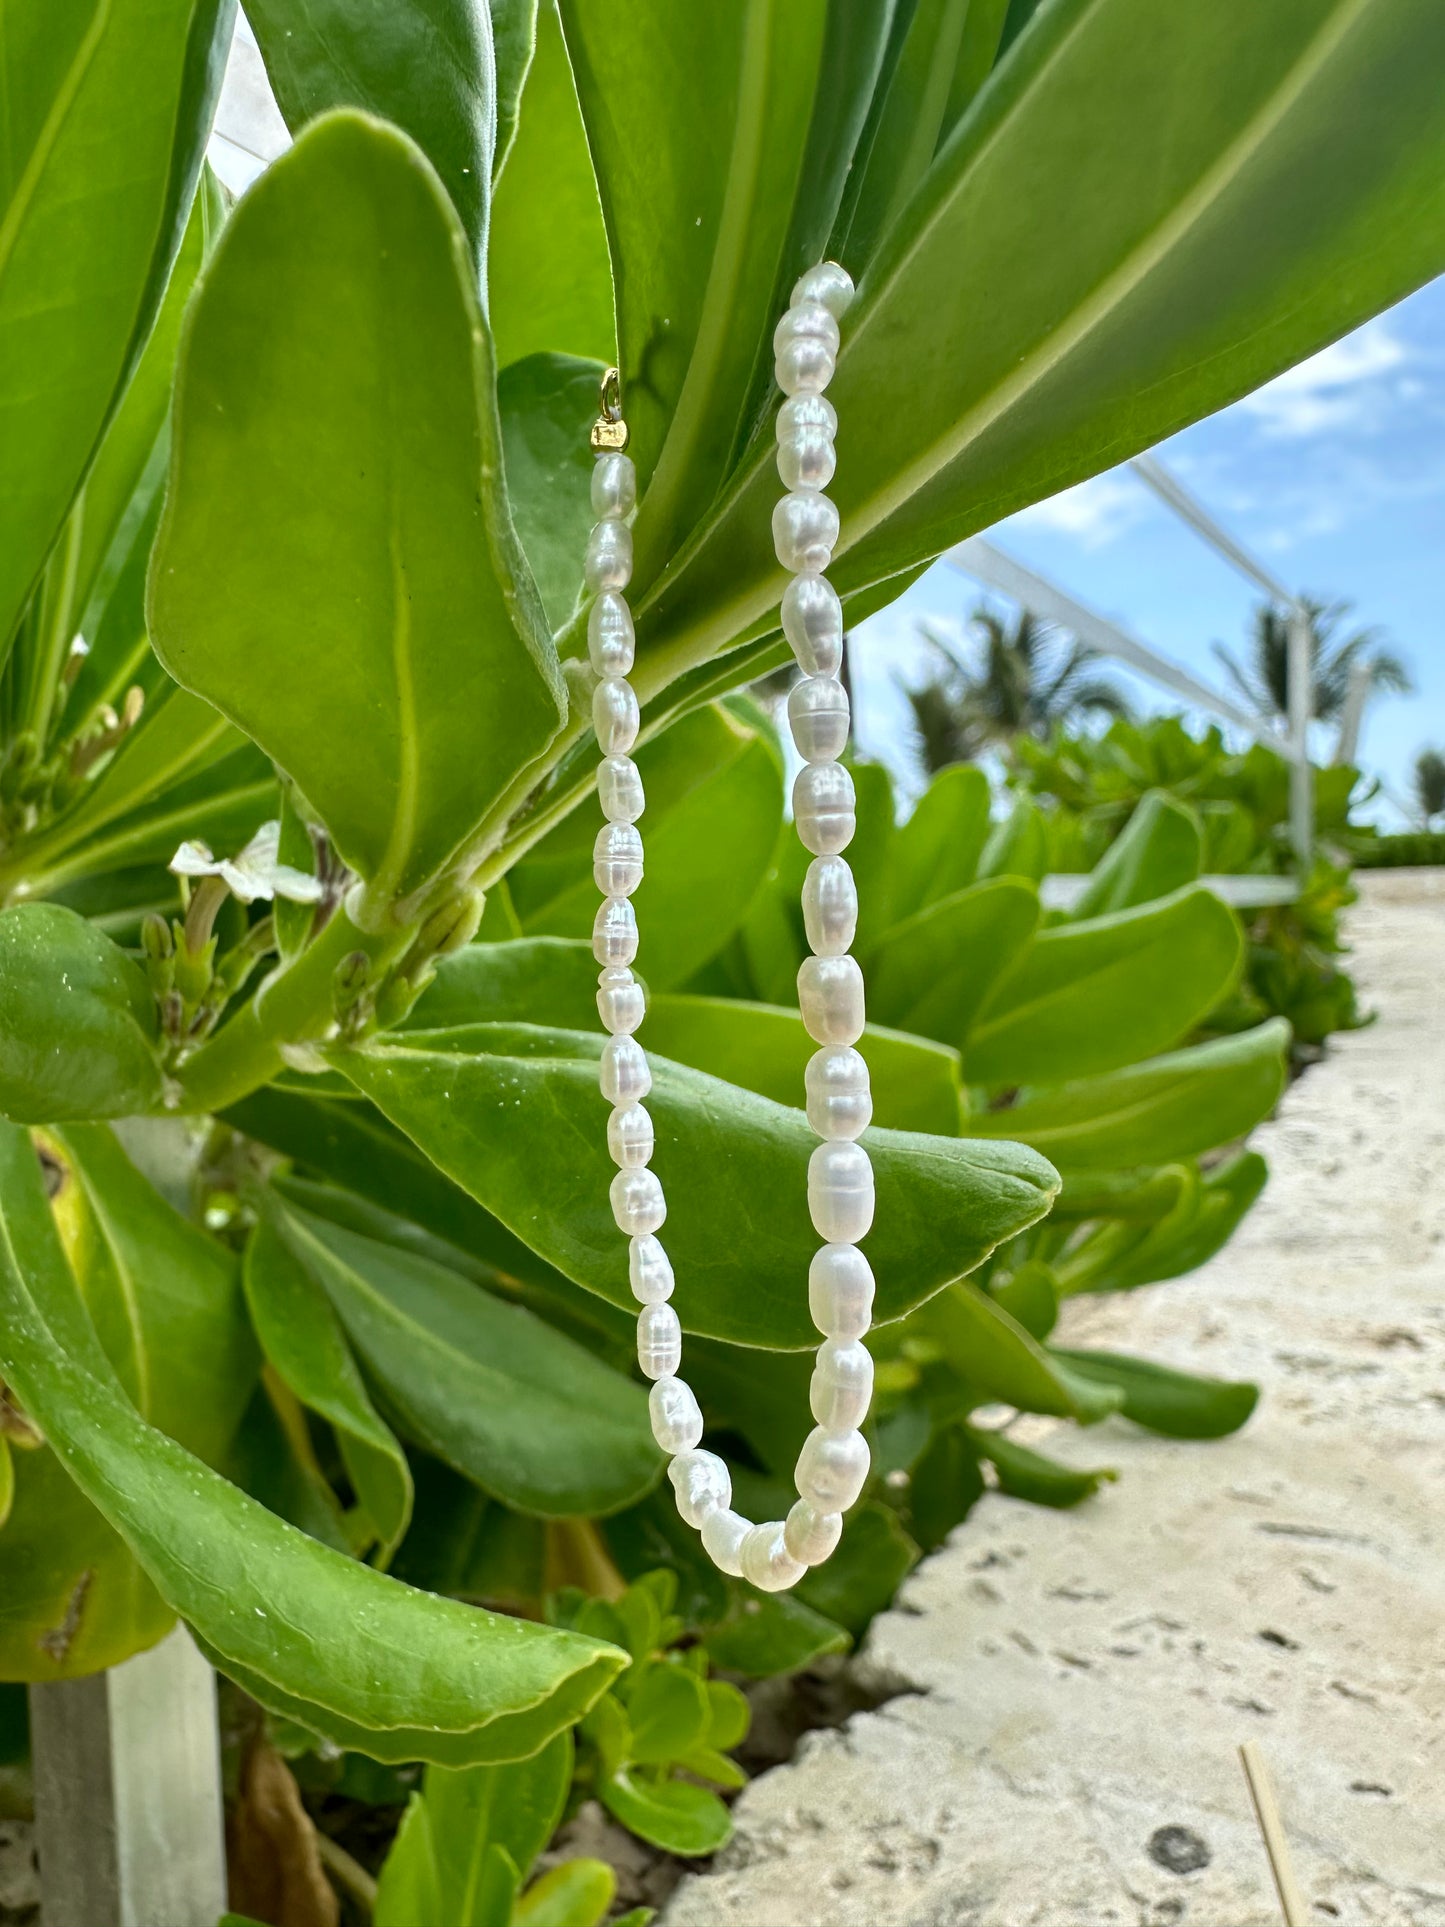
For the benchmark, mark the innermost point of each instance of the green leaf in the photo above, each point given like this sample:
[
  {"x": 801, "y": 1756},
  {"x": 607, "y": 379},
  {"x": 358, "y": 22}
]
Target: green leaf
[
  {"x": 779, "y": 1634},
  {"x": 873, "y": 1559},
  {"x": 272, "y": 1458},
  {"x": 488, "y": 1387},
  {"x": 516, "y": 1808},
  {"x": 549, "y": 403},
  {"x": 1026, "y": 1474},
  {"x": 668, "y": 1713},
  {"x": 945, "y": 1485},
  {"x": 463, "y": 1543},
  {"x": 1089, "y": 997},
  {"x": 529, "y": 980},
  {"x": 937, "y": 850},
  {"x": 933, "y": 971},
  {"x": 997, "y": 1359},
  {"x": 340, "y": 1647},
  {"x": 403, "y": 675},
  {"x": 675, "y": 1815},
  {"x": 1031, "y": 1295},
  {"x": 407, "y": 1889},
  {"x": 730, "y": 1715},
  {"x": 512, "y": 1114},
  {"x": 707, "y": 770},
  {"x": 1205, "y": 1214},
  {"x": 425, "y": 65},
  {"x": 1157, "y": 852},
  {"x": 85, "y": 251},
  {"x": 77, "y": 1021},
  {"x": 576, "y": 1894},
  {"x": 1164, "y": 1108},
  {"x": 303, "y": 1340},
  {"x": 1181, "y": 1405},
  {"x": 1017, "y": 845}
]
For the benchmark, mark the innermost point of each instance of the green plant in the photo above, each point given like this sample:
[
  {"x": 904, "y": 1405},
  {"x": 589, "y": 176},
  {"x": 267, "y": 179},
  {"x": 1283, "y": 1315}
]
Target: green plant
[
  {"x": 1403, "y": 849},
  {"x": 1430, "y": 785},
  {"x": 1262, "y": 678},
  {"x": 261, "y": 1379}
]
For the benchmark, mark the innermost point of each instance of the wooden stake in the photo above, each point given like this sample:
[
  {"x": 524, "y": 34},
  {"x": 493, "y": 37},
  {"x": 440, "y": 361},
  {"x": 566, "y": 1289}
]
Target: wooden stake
[{"x": 1266, "y": 1809}]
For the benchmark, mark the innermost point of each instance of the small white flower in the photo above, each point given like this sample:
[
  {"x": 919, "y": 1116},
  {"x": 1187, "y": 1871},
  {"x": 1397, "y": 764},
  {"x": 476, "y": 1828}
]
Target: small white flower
[{"x": 254, "y": 873}]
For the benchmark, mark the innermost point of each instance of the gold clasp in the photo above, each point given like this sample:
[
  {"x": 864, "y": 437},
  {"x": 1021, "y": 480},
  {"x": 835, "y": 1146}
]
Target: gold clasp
[{"x": 609, "y": 430}]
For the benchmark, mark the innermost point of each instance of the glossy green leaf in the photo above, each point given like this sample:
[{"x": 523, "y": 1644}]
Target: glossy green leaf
[
  {"x": 530, "y": 980},
  {"x": 407, "y": 1889},
  {"x": 936, "y": 852},
  {"x": 676, "y": 1815},
  {"x": 7, "y": 1479},
  {"x": 1017, "y": 844},
  {"x": 1206, "y": 1213},
  {"x": 1158, "y": 852},
  {"x": 347, "y": 1651},
  {"x": 576, "y": 1894},
  {"x": 549, "y": 403},
  {"x": 945, "y": 1484},
  {"x": 982, "y": 31},
  {"x": 85, "y": 250},
  {"x": 402, "y": 676},
  {"x": 996, "y": 1358},
  {"x": 488, "y": 1387},
  {"x": 1031, "y": 1295},
  {"x": 425, "y": 65},
  {"x": 668, "y": 1714},
  {"x": 304, "y": 1343},
  {"x": 272, "y": 1457},
  {"x": 1089, "y": 997},
  {"x": 933, "y": 971},
  {"x": 513, "y": 1115},
  {"x": 873, "y": 1559},
  {"x": 1026, "y": 1474},
  {"x": 463, "y": 1543},
  {"x": 77, "y": 1021},
  {"x": 1181, "y": 1405},
  {"x": 1163, "y": 1108}
]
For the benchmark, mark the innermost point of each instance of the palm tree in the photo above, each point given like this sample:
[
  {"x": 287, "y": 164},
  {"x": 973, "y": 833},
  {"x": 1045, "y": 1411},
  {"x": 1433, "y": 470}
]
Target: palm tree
[
  {"x": 1027, "y": 678},
  {"x": 1263, "y": 679},
  {"x": 1430, "y": 784}
]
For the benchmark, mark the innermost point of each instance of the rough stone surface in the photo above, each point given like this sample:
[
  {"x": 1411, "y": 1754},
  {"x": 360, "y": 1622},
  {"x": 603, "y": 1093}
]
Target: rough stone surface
[{"x": 1080, "y": 1681}]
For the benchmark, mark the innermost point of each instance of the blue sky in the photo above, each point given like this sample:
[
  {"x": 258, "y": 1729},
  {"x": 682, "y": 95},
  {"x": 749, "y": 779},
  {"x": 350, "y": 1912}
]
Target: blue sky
[{"x": 1334, "y": 475}]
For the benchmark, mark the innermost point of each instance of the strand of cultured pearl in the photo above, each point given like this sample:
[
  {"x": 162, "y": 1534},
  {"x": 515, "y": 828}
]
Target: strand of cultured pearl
[{"x": 834, "y": 1461}]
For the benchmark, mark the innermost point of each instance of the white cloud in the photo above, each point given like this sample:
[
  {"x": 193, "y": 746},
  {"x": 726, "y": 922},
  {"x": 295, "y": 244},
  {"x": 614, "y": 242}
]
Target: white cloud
[
  {"x": 1347, "y": 386},
  {"x": 1094, "y": 513}
]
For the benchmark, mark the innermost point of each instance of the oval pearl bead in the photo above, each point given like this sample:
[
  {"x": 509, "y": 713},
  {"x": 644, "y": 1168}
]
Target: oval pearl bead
[
  {"x": 649, "y": 1270},
  {"x": 804, "y": 365},
  {"x": 811, "y": 1535},
  {"x": 807, "y": 459},
  {"x": 824, "y": 808},
  {"x": 617, "y": 859},
  {"x": 830, "y": 906},
  {"x": 611, "y": 644},
  {"x": 622, "y": 1073},
  {"x": 800, "y": 412},
  {"x": 840, "y": 1292},
  {"x": 813, "y": 623},
  {"x": 839, "y": 1100},
  {"x": 659, "y": 1341},
  {"x": 614, "y": 932},
  {"x": 676, "y": 1417},
  {"x": 701, "y": 1483},
  {"x": 807, "y": 320},
  {"x": 832, "y": 1467},
  {"x": 637, "y": 1203},
  {"x": 629, "y": 1137},
  {"x": 615, "y": 715},
  {"x": 723, "y": 1533},
  {"x": 614, "y": 485},
  {"x": 766, "y": 1561},
  {"x": 830, "y": 997},
  {"x": 608, "y": 562},
  {"x": 828, "y": 283},
  {"x": 818, "y": 714},
  {"x": 805, "y": 528},
  {"x": 842, "y": 1386},
  {"x": 619, "y": 789},
  {"x": 621, "y": 1000},
  {"x": 840, "y": 1192}
]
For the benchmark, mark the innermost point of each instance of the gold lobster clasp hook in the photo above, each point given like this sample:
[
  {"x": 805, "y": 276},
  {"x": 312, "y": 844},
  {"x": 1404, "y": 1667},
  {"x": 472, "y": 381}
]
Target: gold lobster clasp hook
[{"x": 609, "y": 430}]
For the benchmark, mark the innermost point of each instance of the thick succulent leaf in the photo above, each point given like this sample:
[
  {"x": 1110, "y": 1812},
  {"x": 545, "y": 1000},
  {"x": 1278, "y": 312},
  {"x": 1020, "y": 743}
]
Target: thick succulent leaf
[
  {"x": 344, "y": 1649},
  {"x": 400, "y": 672},
  {"x": 997, "y": 1359},
  {"x": 77, "y": 1021},
  {"x": 945, "y": 1484},
  {"x": 933, "y": 971},
  {"x": 1167, "y": 1107},
  {"x": 1181, "y": 1405},
  {"x": 84, "y": 249},
  {"x": 676, "y": 1815},
  {"x": 1026, "y": 1474},
  {"x": 407, "y": 1889},
  {"x": 1017, "y": 845},
  {"x": 1088, "y": 997},
  {"x": 549, "y": 403},
  {"x": 579, "y": 1893},
  {"x": 1204, "y": 1216},
  {"x": 1157, "y": 852},
  {"x": 513, "y": 1115},
  {"x": 936, "y": 851}
]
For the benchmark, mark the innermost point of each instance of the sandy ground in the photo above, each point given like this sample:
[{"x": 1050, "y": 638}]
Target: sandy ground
[{"x": 1077, "y": 1684}]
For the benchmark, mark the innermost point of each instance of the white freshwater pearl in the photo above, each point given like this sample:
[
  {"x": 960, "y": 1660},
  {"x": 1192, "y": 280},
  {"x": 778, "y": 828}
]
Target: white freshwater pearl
[
  {"x": 813, "y": 623},
  {"x": 830, "y": 906},
  {"x": 659, "y": 1341},
  {"x": 818, "y": 714},
  {"x": 608, "y": 562},
  {"x": 619, "y": 789},
  {"x": 617, "y": 859},
  {"x": 807, "y": 320},
  {"x": 839, "y": 1101},
  {"x": 811, "y": 1535},
  {"x": 614, "y": 485},
  {"x": 806, "y": 411},
  {"x": 611, "y": 644},
  {"x": 638, "y": 1204},
  {"x": 805, "y": 364},
  {"x": 723, "y": 1533},
  {"x": 766, "y": 1561},
  {"x": 807, "y": 459},
  {"x": 614, "y": 932},
  {"x": 649, "y": 1270},
  {"x": 828, "y": 283},
  {"x": 831, "y": 1469},
  {"x": 676, "y": 1417},
  {"x": 840, "y": 1291},
  {"x": 621, "y": 1000},
  {"x": 615, "y": 715},
  {"x": 623, "y": 1074},
  {"x": 701, "y": 1483},
  {"x": 840, "y": 1192},
  {"x": 805, "y": 529},
  {"x": 830, "y": 997},
  {"x": 824, "y": 808},
  {"x": 629, "y": 1137},
  {"x": 842, "y": 1385}
]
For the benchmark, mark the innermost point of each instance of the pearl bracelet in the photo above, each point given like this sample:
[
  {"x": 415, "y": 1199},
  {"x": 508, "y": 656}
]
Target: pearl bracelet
[{"x": 833, "y": 1464}]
